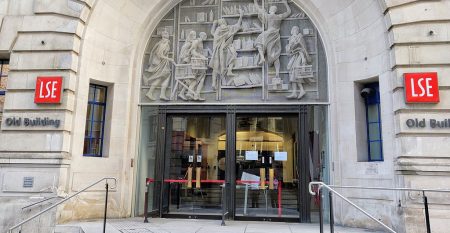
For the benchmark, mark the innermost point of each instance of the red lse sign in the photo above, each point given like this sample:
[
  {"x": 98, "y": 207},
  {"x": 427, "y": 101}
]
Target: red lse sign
[
  {"x": 48, "y": 90},
  {"x": 421, "y": 87}
]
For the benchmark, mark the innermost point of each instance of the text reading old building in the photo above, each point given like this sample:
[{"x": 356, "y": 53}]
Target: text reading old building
[{"x": 241, "y": 102}]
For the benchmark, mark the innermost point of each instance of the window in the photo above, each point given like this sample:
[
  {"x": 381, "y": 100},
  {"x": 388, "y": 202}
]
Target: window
[
  {"x": 371, "y": 94},
  {"x": 95, "y": 121},
  {"x": 4, "y": 69}
]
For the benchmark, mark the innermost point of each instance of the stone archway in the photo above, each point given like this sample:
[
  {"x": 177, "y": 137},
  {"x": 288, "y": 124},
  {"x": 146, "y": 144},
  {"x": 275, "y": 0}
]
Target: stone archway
[{"x": 111, "y": 57}]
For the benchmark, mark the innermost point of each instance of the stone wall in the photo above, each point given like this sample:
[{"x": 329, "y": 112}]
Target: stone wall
[
  {"x": 418, "y": 37},
  {"x": 103, "y": 41},
  {"x": 41, "y": 37}
]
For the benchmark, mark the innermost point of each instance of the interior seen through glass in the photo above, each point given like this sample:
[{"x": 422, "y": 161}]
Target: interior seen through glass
[
  {"x": 196, "y": 163},
  {"x": 266, "y": 171},
  {"x": 265, "y": 176}
]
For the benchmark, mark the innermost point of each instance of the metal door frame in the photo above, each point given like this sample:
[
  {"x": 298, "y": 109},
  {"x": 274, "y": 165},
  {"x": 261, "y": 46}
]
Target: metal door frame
[{"x": 230, "y": 112}]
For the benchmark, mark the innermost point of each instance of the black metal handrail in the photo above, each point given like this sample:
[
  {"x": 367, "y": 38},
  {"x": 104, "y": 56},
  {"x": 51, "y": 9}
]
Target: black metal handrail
[
  {"x": 68, "y": 198},
  {"x": 330, "y": 188},
  {"x": 321, "y": 185}
]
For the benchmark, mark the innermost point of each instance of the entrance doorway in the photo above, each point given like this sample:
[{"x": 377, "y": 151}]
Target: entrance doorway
[
  {"x": 267, "y": 167},
  {"x": 194, "y": 165},
  {"x": 257, "y": 160}
]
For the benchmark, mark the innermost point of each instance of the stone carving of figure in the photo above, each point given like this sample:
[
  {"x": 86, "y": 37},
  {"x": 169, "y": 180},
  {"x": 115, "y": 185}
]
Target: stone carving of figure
[
  {"x": 159, "y": 67},
  {"x": 269, "y": 41},
  {"x": 200, "y": 74},
  {"x": 195, "y": 86},
  {"x": 185, "y": 57},
  {"x": 296, "y": 49},
  {"x": 224, "y": 54}
]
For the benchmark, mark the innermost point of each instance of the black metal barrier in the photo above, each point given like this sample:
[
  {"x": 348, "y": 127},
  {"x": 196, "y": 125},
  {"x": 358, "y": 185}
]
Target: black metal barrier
[
  {"x": 319, "y": 192},
  {"x": 224, "y": 204},
  {"x": 146, "y": 204},
  {"x": 106, "y": 206}
]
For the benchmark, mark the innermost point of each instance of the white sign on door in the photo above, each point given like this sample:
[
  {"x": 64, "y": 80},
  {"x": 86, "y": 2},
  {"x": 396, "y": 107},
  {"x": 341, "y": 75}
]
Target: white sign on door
[
  {"x": 281, "y": 156},
  {"x": 251, "y": 155}
]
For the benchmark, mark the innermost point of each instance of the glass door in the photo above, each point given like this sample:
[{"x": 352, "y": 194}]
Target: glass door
[
  {"x": 194, "y": 165},
  {"x": 266, "y": 167}
]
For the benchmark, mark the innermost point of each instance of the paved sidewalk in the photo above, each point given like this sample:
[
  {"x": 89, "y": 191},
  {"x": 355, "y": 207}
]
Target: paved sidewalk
[{"x": 161, "y": 225}]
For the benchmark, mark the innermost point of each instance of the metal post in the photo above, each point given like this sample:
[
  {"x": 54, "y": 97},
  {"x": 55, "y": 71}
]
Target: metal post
[
  {"x": 146, "y": 205},
  {"x": 319, "y": 193},
  {"x": 223, "y": 205},
  {"x": 330, "y": 195},
  {"x": 106, "y": 207},
  {"x": 178, "y": 195},
  {"x": 427, "y": 215}
]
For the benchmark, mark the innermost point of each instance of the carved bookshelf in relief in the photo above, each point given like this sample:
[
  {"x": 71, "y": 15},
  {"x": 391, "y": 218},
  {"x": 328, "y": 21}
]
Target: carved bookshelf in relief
[{"x": 224, "y": 65}]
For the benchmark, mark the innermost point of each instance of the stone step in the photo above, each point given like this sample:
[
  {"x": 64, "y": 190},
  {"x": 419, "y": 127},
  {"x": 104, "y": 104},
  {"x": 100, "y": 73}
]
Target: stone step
[
  {"x": 136, "y": 225},
  {"x": 68, "y": 229}
]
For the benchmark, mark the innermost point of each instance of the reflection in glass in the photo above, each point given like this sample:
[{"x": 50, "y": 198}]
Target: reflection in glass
[
  {"x": 147, "y": 160},
  {"x": 375, "y": 150},
  {"x": 266, "y": 167},
  {"x": 372, "y": 113},
  {"x": 95, "y": 121},
  {"x": 196, "y": 165}
]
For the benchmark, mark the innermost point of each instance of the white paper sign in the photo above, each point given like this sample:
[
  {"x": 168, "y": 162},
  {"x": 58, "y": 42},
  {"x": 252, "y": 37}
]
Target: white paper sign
[
  {"x": 251, "y": 155},
  {"x": 251, "y": 180},
  {"x": 199, "y": 158},
  {"x": 281, "y": 156},
  {"x": 191, "y": 158}
]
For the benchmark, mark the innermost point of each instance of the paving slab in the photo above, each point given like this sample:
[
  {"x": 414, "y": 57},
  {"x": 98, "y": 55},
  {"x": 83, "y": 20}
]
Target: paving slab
[{"x": 163, "y": 225}]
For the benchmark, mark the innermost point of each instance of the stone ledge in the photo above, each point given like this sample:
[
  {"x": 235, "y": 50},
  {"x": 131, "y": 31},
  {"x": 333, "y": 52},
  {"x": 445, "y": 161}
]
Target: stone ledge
[
  {"x": 35, "y": 155},
  {"x": 441, "y": 118},
  {"x": 52, "y": 23},
  {"x": 399, "y": 102},
  {"x": 89, "y": 3},
  {"x": 418, "y": 12},
  {"x": 398, "y": 3},
  {"x": 47, "y": 60},
  {"x": 443, "y": 73},
  {"x": 420, "y": 33},
  {"x": 49, "y": 41},
  {"x": 35, "y": 142},
  {"x": 27, "y": 80},
  {"x": 24, "y": 100},
  {"x": 421, "y": 54},
  {"x": 64, "y": 7},
  {"x": 10, "y": 25},
  {"x": 62, "y": 121}
]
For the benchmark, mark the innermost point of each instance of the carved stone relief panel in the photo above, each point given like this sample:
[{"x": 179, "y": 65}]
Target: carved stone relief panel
[{"x": 234, "y": 51}]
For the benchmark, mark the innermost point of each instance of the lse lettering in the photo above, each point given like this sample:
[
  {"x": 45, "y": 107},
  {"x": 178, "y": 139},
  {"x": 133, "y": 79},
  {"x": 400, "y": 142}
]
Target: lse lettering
[
  {"x": 425, "y": 90},
  {"x": 48, "y": 90},
  {"x": 421, "y": 88}
]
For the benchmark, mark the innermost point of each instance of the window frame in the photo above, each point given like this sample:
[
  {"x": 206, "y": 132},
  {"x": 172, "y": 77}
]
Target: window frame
[
  {"x": 370, "y": 101},
  {"x": 2, "y": 63},
  {"x": 93, "y": 102}
]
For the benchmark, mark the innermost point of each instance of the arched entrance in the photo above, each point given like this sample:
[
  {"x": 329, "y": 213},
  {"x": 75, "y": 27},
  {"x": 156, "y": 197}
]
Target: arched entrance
[{"x": 234, "y": 94}]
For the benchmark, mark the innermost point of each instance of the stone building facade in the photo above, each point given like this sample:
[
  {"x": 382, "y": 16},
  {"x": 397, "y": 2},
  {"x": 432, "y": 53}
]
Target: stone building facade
[{"x": 104, "y": 42}]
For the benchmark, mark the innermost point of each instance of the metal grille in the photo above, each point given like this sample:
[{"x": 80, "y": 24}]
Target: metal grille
[{"x": 28, "y": 182}]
